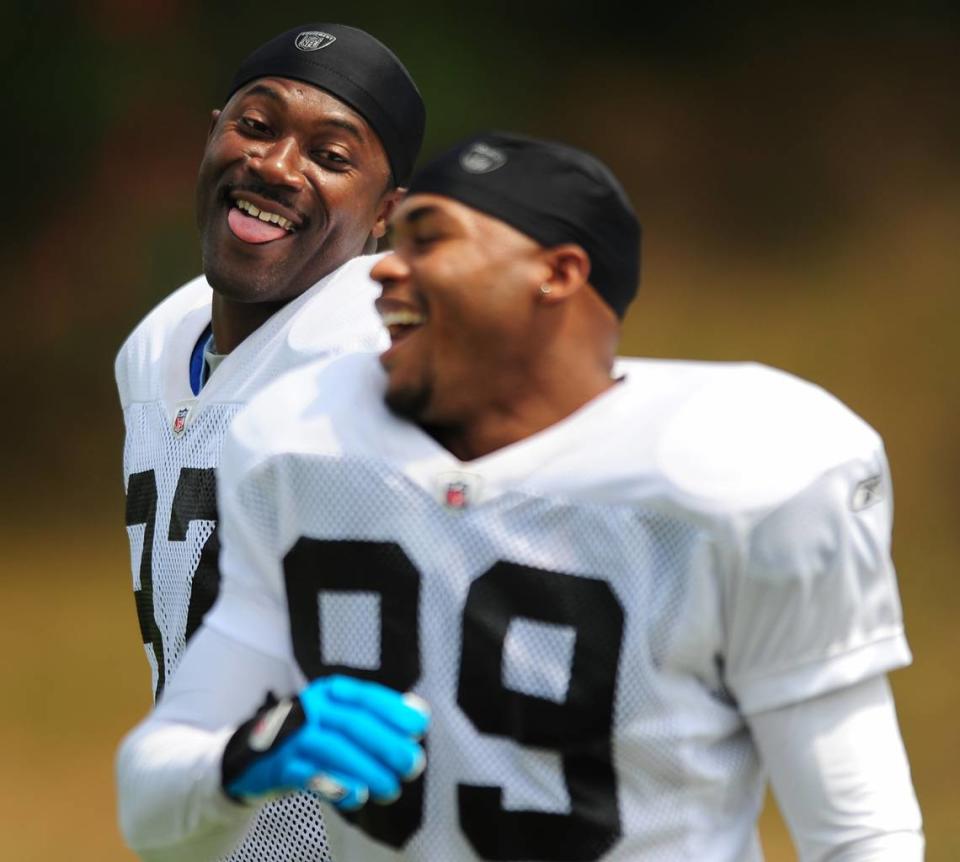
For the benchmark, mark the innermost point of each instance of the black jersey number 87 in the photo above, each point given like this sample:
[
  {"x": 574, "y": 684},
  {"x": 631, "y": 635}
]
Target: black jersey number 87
[
  {"x": 578, "y": 729},
  {"x": 195, "y": 499}
]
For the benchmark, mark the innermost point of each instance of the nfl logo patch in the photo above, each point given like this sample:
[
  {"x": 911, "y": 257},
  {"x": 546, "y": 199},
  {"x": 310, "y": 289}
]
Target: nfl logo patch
[
  {"x": 455, "y": 496},
  {"x": 314, "y": 40},
  {"x": 458, "y": 490},
  {"x": 481, "y": 159},
  {"x": 180, "y": 420}
]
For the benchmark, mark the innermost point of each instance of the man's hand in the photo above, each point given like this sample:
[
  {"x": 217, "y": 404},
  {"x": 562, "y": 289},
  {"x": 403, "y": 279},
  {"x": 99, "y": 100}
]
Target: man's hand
[{"x": 342, "y": 738}]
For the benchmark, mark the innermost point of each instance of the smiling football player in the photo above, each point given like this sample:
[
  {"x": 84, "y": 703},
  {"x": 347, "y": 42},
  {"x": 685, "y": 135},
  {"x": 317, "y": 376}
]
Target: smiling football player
[{"x": 302, "y": 167}]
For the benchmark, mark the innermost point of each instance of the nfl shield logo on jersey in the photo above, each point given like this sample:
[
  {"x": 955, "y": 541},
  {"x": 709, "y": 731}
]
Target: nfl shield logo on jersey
[
  {"x": 458, "y": 490},
  {"x": 456, "y": 495},
  {"x": 180, "y": 420}
]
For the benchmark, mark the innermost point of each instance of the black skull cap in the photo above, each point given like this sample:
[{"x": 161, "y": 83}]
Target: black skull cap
[
  {"x": 357, "y": 69},
  {"x": 553, "y": 193}
]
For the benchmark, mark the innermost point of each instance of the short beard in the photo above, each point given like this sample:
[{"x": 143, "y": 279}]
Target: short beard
[
  {"x": 410, "y": 403},
  {"x": 241, "y": 286}
]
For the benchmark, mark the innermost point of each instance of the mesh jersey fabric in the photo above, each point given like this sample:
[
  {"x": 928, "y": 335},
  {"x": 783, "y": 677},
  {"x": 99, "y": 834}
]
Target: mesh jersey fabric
[
  {"x": 592, "y": 613},
  {"x": 172, "y": 447}
]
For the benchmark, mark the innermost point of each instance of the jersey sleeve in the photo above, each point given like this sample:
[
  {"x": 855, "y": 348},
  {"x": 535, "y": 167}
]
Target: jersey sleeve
[
  {"x": 813, "y": 605},
  {"x": 170, "y": 802},
  {"x": 841, "y": 775}
]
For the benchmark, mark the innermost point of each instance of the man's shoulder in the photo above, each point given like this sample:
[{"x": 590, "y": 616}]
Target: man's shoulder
[
  {"x": 745, "y": 435},
  {"x": 180, "y": 317},
  {"x": 168, "y": 314},
  {"x": 338, "y": 314}
]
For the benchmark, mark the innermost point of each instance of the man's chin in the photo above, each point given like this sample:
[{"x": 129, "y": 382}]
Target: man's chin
[
  {"x": 244, "y": 283},
  {"x": 408, "y": 402}
]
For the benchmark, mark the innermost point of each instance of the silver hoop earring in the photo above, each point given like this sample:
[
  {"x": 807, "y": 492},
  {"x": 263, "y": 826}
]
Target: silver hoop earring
[{"x": 545, "y": 289}]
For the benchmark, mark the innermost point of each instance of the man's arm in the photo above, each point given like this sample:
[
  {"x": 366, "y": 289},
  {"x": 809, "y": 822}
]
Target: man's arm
[
  {"x": 841, "y": 777},
  {"x": 193, "y": 774},
  {"x": 171, "y": 805}
]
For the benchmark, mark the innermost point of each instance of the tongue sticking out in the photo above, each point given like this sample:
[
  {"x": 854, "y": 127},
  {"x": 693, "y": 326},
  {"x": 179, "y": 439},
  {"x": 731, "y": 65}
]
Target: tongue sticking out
[{"x": 251, "y": 229}]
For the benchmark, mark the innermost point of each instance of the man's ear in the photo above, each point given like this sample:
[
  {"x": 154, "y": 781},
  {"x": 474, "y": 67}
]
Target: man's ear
[
  {"x": 214, "y": 116},
  {"x": 388, "y": 204},
  {"x": 569, "y": 271}
]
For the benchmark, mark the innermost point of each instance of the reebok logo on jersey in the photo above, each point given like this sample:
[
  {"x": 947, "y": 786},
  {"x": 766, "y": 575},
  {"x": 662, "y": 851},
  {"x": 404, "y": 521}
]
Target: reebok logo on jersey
[
  {"x": 265, "y": 731},
  {"x": 868, "y": 492},
  {"x": 314, "y": 40},
  {"x": 481, "y": 159}
]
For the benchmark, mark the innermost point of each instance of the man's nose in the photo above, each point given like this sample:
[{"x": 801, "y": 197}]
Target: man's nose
[
  {"x": 389, "y": 270},
  {"x": 280, "y": 164}
]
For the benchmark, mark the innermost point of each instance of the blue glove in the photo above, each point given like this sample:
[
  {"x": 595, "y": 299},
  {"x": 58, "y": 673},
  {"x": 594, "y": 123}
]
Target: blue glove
[{"x": 343, "y": 738}]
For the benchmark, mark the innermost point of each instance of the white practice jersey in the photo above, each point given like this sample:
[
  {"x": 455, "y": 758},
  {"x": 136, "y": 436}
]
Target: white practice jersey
[
  {"x": 172, "y": 447},
  {"x": 593, "y": 613}
]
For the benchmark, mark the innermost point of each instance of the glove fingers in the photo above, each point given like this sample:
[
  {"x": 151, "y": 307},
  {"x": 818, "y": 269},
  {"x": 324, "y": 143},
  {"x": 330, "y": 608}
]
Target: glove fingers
[
  {"x": 342, "y": 791},
  {"x": 407, "y": 714},
  {"x": 329, "y": 751},
  {"x": 397, "y": 751}
]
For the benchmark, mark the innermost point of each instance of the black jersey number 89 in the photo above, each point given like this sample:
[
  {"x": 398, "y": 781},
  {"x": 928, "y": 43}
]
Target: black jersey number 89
[{"x": 578, "y": 729}]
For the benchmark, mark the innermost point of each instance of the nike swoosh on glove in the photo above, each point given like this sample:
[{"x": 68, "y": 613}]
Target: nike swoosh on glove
[{"x": 345, "y": 739}]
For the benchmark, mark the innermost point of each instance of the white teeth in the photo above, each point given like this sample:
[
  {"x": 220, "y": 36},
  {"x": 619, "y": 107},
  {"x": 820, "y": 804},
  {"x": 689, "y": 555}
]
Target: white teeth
[
  {"x": 263, "y": 215},
  {"x": 402, "y": 318}
]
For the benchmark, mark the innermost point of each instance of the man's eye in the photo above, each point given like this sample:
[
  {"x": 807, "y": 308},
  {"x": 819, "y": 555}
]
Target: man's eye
[
  {"x": 331, "y": 158},
  {"x": 254, "y": 125}
]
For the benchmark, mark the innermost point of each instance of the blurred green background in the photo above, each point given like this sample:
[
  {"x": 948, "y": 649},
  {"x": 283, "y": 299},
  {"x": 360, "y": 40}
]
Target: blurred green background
[{"x": 797, "y": 172}]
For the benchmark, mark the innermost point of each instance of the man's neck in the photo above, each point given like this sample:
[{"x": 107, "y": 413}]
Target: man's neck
[
  {"x": 498, "y": 426},
  {"x": 235, "y": 321}
]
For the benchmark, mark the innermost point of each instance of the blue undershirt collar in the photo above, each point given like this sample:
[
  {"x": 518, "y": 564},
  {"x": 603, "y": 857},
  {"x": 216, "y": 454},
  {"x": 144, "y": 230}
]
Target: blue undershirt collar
[{"x": 198, "y": 374}]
